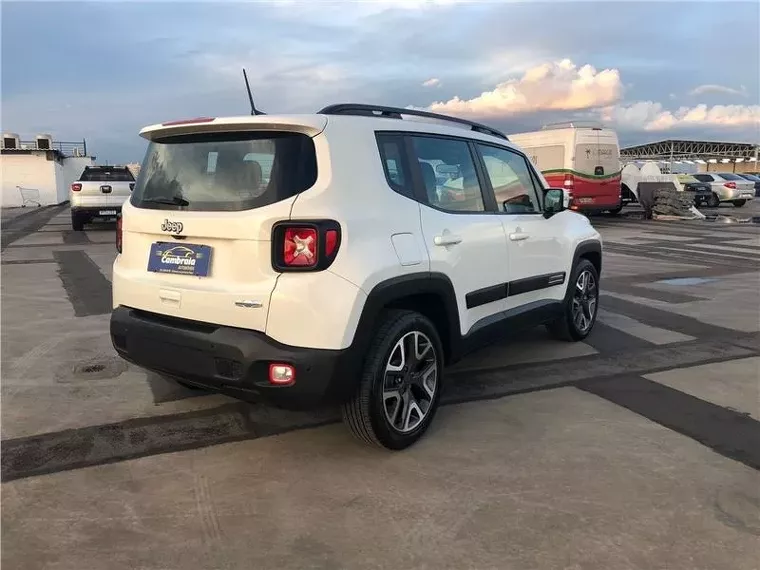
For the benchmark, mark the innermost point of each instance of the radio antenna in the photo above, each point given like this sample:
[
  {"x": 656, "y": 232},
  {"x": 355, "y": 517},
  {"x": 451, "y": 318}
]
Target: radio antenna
[{"x": 254, "y": 110}]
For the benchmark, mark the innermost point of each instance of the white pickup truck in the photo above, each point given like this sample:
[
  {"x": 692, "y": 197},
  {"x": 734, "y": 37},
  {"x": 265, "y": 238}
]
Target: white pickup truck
[{"x": 99, "y": 193}]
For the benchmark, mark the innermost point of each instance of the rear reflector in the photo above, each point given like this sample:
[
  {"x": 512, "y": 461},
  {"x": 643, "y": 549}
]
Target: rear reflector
[
  {"x": 188, "y": 121},
  {"x": 76, "y": 187},
  {"x": 331, "y": 242},
  {"x": 282, "y": 374}
]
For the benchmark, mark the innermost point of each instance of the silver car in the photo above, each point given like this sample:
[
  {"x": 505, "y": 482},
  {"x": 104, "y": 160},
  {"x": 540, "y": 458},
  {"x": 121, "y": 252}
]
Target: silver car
[{"x": 727, "y": 187}]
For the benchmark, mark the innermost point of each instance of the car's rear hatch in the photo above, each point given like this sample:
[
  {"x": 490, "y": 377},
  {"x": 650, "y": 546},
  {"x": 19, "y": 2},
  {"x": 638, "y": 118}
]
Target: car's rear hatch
[
  {"x": 197, "y": 231},
  {"x": 100, "y": 186}
]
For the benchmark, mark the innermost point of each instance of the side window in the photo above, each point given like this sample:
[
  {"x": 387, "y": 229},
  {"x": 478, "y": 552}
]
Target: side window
[
  {"x": 513, "y": 182},
  {"x": 703, "y": 177},
  {"x": 449, "y": 174},
  {"x": 391, "y": 154}
]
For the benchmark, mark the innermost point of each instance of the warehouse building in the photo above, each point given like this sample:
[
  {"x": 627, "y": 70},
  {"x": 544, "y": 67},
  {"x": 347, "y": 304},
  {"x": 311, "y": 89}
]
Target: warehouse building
[{"x": 696, "y": 156}]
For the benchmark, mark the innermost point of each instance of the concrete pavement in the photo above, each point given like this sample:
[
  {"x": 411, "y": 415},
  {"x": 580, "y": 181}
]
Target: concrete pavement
[{"x": 638, "y": 448}]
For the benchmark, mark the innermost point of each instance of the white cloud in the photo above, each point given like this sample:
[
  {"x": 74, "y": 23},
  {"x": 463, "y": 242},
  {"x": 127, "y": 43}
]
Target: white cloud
[
  {"x": 557, "y": 86},
  {"x": 722, "y": 89},
  {"x": 652, "y": 116},
  {"x": 432, "y": 82}
]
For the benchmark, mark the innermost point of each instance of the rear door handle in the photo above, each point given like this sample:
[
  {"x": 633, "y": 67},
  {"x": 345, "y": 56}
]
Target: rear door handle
[
  {"x": 518, "y": 236},
  {"x": 447, "y": 239}
]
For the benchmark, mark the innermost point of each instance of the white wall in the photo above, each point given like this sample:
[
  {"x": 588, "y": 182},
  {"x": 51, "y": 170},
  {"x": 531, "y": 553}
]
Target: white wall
[
  {"x": 51, "y": 178},
  {"x": 28, "y": 171},
  {"x": 72, "y": 170}
]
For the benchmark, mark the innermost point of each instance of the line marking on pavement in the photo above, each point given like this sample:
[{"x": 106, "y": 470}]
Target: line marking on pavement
[
  {"x": 108, "y": 443},
  {"x": 654, "y": 335},
  {"x": 28, "y": 224},
  {"x": 26, "y": 261},
  {"x": 727, "y": 432},
  {"x": 606, "y": 338},
  {"x": 664, "y": 319},
  {"x": 88, "y": 289}
]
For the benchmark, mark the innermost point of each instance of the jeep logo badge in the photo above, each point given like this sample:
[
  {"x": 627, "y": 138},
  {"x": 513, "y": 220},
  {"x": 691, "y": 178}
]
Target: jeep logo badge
[{"x": 173, "y": 227}]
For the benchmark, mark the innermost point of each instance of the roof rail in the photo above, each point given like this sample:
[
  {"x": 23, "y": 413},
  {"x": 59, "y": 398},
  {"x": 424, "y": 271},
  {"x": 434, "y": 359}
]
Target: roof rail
[
  {"x": 397, "y": 112},
  {"x": 573, "y": 125}
]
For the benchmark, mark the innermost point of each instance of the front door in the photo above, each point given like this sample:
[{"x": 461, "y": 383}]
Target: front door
[{"x": 534, "y": 252}]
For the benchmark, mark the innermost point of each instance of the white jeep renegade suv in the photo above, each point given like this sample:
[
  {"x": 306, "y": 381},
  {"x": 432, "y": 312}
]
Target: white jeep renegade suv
[{"x": 342, "y": 257}]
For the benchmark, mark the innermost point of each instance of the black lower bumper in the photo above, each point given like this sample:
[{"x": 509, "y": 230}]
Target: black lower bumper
[
  {"x": 91, "y": 212},
  {"x": 230, "y": 360}
]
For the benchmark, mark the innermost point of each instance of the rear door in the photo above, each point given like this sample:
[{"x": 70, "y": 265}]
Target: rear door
[
  {"x": 105, "y": 186},
  {"x": 597, "y": 169},
  {"x": 197, "y": 231},
  {"x": 464, "y": 241}
]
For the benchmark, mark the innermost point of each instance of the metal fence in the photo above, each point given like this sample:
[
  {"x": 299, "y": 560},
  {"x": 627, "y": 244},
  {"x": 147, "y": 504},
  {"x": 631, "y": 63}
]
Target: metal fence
[{"x": 65, "y": 148}]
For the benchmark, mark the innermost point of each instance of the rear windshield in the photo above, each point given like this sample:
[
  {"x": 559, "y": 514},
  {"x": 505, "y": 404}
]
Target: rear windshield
[
  {"x": 106, "y": 175},
  {"x": 751, "y": 177},
  {"x": 729, "y": 176},
  {"x": 225, "y": 171}
]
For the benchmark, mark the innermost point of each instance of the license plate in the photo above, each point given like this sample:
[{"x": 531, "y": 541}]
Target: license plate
[
  {"x": 180, "y": 259},
  {"x": 585, "y": 200},
  {"x": 107, "y": 213}
]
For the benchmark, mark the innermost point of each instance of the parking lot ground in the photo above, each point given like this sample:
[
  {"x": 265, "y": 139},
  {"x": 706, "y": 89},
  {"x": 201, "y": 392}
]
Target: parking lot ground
[{"x": 638, "y": 448}]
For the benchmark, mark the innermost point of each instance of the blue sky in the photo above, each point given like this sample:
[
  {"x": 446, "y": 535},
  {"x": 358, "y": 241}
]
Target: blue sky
[{"x": 652, "y": 70}]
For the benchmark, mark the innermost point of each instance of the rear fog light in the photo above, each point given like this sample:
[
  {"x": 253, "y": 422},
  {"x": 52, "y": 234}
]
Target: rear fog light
[{"x": 282, "y": 374}]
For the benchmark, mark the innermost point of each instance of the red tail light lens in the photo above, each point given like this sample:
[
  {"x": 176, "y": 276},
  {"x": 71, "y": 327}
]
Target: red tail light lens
[
  {"x": 331, "y": 242},
  {"x": 118, "y": 234},
  {"x": 300, "y": 247},
  {"x": 568, "y": 180},
  {"x": 305, "y": 245},
  {"x": 76, "y": 187},
  {"x": 731, "y": 185}
]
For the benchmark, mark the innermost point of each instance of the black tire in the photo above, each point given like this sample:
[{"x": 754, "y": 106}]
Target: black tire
[
  {"x": 616, "y": 211},
  {"x": 739, "y": 203},
  {"x": 565, "y": 327},
  {"x": 713, "y": 201},
  {"x": 365, "y": 413},
  {"x": 77, "y": 222}
]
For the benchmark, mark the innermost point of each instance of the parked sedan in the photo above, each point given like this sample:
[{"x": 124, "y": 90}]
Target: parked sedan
[
  {"x": 727, "y": 187},
  {"x": 752, "y": 178}
]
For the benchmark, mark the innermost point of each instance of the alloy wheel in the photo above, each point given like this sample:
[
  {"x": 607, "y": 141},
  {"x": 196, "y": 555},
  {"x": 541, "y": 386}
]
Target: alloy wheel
[
  {"x": 410, "y": 381},
  {"x": 584, "y": 301}
]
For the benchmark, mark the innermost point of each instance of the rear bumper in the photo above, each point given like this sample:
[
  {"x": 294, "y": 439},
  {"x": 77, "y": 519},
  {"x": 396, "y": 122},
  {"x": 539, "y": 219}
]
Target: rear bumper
[
  {"x": 95, "y": 211},
  {"x": 232, "y": 361}
]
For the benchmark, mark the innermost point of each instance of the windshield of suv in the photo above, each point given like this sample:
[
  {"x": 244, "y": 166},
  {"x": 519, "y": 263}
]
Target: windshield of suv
[
  {"x": 225, "y": 171},
  {"x": 106, "y": 175}
]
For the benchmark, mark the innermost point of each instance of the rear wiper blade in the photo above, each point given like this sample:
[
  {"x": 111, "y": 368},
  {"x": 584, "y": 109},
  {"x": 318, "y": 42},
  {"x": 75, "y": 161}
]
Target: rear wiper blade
[{"x": 172, "y": 200}]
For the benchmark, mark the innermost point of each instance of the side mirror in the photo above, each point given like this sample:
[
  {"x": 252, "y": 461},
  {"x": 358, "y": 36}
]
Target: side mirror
[{"x": 554, "y": 201}]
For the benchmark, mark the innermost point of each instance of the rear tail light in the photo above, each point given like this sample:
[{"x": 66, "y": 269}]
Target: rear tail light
[
  {"x": 76, "y": 187},
  {"x": 300, "y": 247},
  {"x": 568, "y": 181},
  {"x": 118, "y": 234},
  {"x": 305, "y": 245},
  {"x": 282, "y": 374},
  {"x": 731, "y": 185}
]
